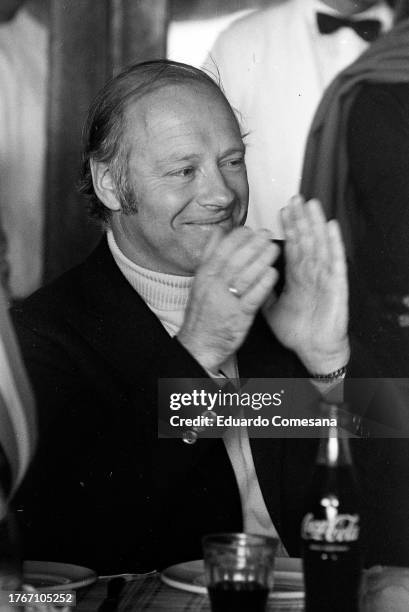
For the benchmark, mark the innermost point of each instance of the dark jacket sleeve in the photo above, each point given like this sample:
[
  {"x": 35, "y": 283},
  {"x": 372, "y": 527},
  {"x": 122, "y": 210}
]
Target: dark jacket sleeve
[
  {"x": 378, "y": 140},
  {"x": 378, "y": 149}
]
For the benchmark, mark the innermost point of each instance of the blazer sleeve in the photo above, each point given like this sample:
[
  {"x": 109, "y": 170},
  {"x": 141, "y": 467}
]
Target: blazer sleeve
[{"x": 378, "y": 148}]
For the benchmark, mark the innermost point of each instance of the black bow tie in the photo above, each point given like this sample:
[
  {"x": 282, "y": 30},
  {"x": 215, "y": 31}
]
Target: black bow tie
[{"x": 368, "y": 29}]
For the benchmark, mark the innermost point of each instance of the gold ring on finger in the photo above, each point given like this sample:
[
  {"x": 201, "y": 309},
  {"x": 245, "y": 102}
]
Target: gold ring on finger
[{"x": 234, "y": 291}]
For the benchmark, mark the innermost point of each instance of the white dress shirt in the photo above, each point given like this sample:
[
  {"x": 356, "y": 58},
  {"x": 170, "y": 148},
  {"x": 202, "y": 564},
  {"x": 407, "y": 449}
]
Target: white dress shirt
[{"x": 274, "y": 66}]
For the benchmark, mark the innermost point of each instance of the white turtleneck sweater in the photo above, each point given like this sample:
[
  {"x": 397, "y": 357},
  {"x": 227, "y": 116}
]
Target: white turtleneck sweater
[{"x": 167, "y": 296}]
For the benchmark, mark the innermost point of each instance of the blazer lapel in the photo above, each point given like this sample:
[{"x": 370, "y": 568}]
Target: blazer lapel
[
  {"x": 115, "y": 320},
  {"x": 120, "y": 327}
]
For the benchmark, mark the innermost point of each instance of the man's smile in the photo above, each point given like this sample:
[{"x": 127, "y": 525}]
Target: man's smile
[{"x": 212, "y": 221}]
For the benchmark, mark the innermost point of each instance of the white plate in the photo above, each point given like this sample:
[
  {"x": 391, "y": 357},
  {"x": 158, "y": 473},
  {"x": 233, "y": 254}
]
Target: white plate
[
  {"x": 57, "y": 576},
  {"x": 190, "y": 576}
]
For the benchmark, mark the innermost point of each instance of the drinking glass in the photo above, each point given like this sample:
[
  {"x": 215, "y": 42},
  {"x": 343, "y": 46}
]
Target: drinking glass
[{"x": 239, "y": 570}]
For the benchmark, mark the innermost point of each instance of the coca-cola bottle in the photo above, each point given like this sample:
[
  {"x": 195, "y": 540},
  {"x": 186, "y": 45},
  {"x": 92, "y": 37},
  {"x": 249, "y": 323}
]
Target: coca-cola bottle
[{"x": 331, "y": 524}]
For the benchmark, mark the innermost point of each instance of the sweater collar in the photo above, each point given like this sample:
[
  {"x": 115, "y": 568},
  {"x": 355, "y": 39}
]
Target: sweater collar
[{"x": 160, "y": 291}]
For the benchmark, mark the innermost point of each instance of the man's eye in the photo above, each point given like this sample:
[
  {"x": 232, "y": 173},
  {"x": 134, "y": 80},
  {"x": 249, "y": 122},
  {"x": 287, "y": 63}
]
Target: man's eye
[
  {"x": 237, "y": 162},
  {"x": 184, "y": 172}
]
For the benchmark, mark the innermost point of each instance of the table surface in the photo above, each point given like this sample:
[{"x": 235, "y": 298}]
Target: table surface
[{"x": 150, "y": 593}]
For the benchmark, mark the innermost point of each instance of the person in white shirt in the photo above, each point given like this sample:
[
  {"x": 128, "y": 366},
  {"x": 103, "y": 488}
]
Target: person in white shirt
[
  {"x": 23, "y": 85},
  {"x": 274, "y": 66}
]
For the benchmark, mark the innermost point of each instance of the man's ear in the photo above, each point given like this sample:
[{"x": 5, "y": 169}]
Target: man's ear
[{"x": 104, "y": 185}]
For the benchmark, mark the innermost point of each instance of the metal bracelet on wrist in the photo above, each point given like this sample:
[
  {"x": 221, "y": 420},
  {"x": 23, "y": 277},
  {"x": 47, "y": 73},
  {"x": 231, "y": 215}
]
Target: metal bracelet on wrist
[{"x": 340, "y": 373}]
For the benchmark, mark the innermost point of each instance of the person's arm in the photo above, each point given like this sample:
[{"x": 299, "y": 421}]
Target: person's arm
[
  {"x": 311, "y": 315},
  {"x": 18, "y": 432},
  {"x": 378, "y": 151}
]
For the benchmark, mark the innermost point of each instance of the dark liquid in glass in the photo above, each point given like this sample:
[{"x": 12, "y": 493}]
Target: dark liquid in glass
[{"x": 230, "y": 596}]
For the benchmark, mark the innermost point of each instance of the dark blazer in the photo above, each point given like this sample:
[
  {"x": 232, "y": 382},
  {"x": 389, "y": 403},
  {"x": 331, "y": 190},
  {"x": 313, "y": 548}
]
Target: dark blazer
[
  {"x": 378, "y": 152},
  {"x": 103, "y": 491}
]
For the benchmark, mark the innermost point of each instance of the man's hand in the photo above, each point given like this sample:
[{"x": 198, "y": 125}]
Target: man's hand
[
  {"x": 311, "y": 316},
  {"x": 230, "y": 286}
]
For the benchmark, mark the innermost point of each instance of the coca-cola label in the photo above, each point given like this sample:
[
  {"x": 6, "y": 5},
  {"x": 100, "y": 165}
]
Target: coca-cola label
[{"x": 341, "y": 528}]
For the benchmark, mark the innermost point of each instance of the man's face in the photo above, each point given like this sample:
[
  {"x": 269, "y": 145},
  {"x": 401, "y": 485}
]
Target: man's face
[
  {"x": 351, "y": 7},
  {"x": 187, "y": 171}
]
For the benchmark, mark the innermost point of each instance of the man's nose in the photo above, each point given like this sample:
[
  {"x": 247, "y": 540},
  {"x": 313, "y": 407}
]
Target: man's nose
[{"x": 214, "y": 190}]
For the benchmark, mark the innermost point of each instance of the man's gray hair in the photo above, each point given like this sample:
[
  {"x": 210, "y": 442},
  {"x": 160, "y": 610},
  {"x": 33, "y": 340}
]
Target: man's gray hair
[{"x": 104, "y": 130}]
